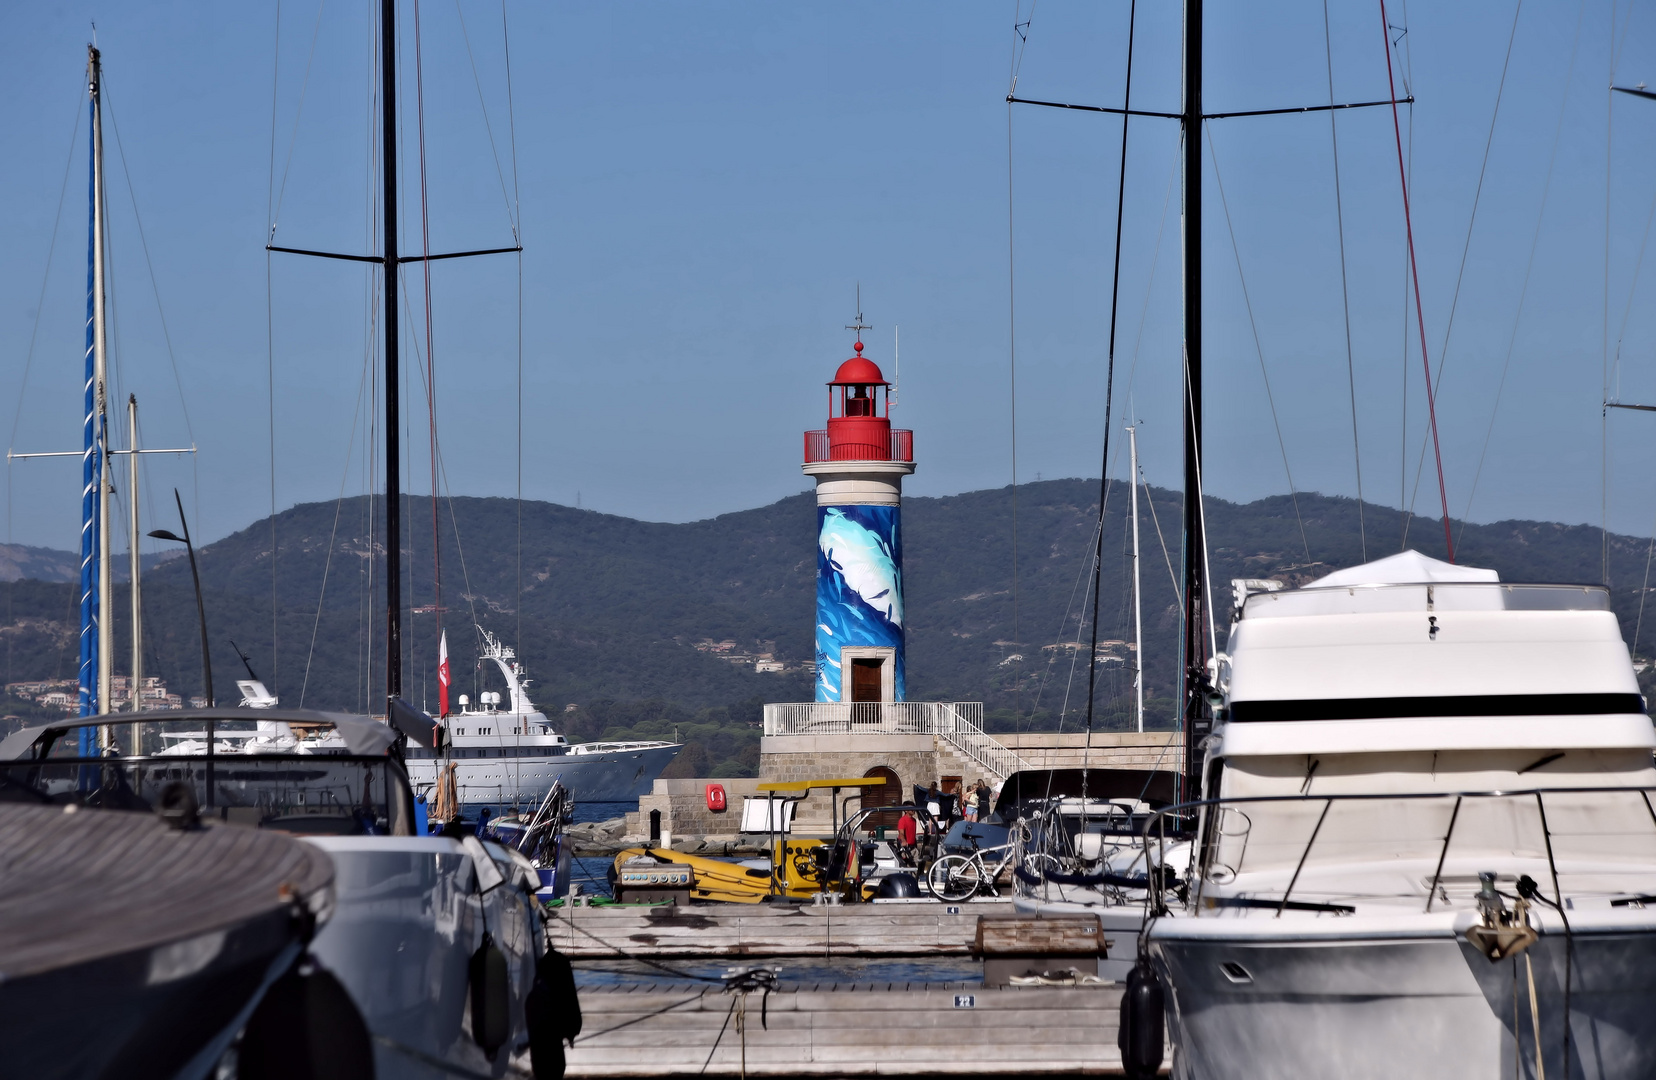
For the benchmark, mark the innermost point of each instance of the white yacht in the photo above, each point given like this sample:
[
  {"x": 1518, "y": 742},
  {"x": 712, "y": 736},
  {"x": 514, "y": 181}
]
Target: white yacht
[
  {"x": 1428, "y": 843},
  {"x": 506, "y": 752}
]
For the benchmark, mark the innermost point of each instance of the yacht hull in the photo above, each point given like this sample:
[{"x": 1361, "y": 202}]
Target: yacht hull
[
  {"x": 407, "y": 920},
  {"x": 611, "y": 776},
  {"x": 1390, "y": 1003}
]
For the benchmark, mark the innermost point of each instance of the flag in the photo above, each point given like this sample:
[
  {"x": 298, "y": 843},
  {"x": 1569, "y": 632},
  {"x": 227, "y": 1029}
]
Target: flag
[{"x": 442, "y": 676}]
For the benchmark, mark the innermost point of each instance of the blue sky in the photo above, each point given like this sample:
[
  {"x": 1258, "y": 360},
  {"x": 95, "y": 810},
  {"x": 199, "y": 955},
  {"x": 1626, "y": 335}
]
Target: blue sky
[{"x": 703, "y": 186}]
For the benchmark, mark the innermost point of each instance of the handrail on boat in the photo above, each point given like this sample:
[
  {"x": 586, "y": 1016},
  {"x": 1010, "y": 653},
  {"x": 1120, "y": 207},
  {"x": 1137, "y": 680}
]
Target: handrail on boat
[{"x": 1157, "y": 821}]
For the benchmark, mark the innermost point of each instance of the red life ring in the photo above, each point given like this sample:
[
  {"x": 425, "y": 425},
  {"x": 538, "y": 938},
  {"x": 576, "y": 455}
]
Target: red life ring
[{"x": 715, "y": 797}]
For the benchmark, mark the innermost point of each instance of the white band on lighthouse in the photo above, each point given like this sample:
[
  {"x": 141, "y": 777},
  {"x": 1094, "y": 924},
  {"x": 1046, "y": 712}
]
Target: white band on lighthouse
[{"x": 859, "y": 483}]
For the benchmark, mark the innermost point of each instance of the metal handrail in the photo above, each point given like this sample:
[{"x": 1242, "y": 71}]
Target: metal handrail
[
  {"x": 959, "y": 722},
  {"x": 819, "y": 448},
  {"x": 1158, "y": 818}
]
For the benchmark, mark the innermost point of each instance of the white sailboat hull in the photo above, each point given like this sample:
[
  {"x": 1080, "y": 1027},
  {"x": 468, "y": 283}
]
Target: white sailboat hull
[
  {"x": 610, "y": 776},
  {"x": 1376, "y": 998}
]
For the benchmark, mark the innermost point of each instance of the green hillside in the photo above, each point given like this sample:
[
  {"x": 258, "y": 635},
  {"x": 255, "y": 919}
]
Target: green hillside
[{"x": 611, "y": 610}]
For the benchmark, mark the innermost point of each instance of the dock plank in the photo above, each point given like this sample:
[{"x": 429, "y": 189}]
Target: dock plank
[
  {"x": 850, "y": 1030},
  {"x": 755, "y": 931}
]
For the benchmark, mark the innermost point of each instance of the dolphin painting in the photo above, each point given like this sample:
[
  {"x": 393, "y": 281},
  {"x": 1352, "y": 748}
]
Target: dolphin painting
[{"x": 864, "y": 562}]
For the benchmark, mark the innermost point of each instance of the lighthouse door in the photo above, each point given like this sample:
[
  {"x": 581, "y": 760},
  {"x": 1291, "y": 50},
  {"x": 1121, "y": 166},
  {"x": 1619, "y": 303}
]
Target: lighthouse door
[{"x": 865, "y": 679}]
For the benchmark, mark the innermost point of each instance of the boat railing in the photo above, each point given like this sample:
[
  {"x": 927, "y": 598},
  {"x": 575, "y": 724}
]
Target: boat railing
[
  {"x": 1433, "y": 596},
  {"x": 1217, "y": 831}
]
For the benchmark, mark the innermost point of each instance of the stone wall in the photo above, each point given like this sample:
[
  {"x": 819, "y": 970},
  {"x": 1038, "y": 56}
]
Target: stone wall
[
  {"x": 684, "y": 812},
  {"x": 916, "y": 759}
]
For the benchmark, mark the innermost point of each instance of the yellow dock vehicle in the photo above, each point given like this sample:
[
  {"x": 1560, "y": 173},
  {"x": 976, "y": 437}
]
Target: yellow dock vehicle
[{"x": 796, "y": 869}]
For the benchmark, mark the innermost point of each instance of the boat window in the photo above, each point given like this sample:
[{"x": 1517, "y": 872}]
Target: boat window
[{"x": 307, "y": 794}]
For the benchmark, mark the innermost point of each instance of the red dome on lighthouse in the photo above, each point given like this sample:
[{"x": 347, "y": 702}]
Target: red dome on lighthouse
[
  {"x": 859, "y": 371},
  {"x": 859, "y": 418}
]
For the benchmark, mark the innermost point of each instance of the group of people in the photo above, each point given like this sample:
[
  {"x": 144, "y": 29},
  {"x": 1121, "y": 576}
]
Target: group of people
[{"x": 975, "y": 801}]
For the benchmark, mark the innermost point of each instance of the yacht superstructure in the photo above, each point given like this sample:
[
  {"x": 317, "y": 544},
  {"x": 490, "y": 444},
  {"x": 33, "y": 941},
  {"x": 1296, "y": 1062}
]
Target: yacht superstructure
[
  {"x": 1427, "y": 840},
  {"x": 505, "y": 751}
]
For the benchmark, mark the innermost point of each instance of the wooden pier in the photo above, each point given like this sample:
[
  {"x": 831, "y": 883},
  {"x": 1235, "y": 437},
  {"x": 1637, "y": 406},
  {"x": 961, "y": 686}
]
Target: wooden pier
[
  {"x": 840, "y": 1029},
  {"x": 755, "y": 931}
]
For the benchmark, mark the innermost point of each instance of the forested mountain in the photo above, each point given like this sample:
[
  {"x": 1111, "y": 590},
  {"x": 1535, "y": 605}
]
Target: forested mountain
[{"x": 608, "y": 612}]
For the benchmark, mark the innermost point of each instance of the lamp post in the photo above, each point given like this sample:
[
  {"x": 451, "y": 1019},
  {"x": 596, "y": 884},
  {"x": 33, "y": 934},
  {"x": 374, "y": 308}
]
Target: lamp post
[{"x": 201, "y": 610}]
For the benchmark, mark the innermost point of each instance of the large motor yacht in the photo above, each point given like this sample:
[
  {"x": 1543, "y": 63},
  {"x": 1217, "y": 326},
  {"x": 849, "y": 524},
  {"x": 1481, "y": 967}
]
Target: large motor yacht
[
  {"x": 1427, "y": 844},
  {"x": 506, "y": 752}
]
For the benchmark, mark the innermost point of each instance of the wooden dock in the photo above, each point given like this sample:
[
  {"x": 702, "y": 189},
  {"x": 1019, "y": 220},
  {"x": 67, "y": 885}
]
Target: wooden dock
[
  {"x": 756, "y": 931},
  {"x": 840, "y": 1029}
]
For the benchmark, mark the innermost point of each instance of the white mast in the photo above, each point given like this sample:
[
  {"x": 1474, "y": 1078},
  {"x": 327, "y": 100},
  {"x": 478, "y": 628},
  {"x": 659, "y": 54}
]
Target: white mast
[
  {"x": 132, "y": 553},
  {"x": 1138, "y": 607},
  {"x": 100, "y": 380}
]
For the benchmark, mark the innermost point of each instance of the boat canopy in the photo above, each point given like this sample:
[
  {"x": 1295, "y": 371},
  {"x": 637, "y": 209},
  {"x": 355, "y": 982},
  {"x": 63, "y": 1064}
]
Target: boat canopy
[{"x": 1405, "y": 568}]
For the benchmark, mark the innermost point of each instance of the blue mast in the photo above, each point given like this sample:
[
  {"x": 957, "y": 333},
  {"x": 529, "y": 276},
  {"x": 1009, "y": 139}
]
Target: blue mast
[{"x": 91, "y": 459}]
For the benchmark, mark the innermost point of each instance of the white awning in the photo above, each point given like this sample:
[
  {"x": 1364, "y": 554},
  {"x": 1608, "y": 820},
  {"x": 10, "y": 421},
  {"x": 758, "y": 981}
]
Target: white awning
[{"x": 1405, "y": 568}]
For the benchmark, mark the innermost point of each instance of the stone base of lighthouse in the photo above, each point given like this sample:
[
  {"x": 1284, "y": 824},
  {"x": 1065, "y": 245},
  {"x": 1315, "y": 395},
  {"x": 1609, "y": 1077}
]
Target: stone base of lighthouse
[{"x": 915, "y": 759}]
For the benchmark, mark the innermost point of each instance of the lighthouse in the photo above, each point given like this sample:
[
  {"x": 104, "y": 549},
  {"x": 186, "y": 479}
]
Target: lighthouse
[{"x": 858, "y": 462}]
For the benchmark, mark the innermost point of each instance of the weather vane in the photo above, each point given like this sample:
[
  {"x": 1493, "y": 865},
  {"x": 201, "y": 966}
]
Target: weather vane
[{"x": 859, "y": 326}]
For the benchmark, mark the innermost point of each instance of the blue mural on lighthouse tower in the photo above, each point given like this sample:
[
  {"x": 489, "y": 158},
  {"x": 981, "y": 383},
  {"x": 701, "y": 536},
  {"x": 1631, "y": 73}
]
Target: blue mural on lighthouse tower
[{"x": 859, "y": 589}]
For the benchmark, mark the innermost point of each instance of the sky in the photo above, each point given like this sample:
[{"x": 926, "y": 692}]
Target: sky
[{"x": 702, "y": 189}]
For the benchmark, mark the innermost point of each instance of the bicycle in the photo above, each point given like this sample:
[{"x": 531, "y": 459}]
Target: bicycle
[{"x": 954, "y": 878}]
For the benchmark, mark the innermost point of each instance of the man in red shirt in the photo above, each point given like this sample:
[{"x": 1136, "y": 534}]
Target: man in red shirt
[{"x": 907, "y": 834}]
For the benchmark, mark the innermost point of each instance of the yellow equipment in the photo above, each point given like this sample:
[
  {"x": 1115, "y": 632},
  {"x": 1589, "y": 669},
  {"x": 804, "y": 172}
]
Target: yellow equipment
[{"x": 799, "y": 868}]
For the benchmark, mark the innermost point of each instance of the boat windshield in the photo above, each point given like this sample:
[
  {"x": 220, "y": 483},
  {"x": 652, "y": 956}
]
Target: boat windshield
[{"x": 327, "y": 791}]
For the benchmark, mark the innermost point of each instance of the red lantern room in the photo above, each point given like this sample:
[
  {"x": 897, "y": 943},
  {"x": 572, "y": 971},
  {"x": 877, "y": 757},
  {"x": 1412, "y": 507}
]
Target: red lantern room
[{"x": 859, "y": 418}]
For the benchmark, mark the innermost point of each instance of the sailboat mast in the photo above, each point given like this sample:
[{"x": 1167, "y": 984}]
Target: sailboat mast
[
  {"x": 1196, "y": 717},
  {"x": 1138, "y": 604},
  {"x": 393, "y": 462},
  {"x": 132, "y": 554},
  {"x": 97, "y": 638}
]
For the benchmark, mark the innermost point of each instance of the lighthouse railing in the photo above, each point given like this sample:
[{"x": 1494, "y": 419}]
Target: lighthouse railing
[
  {"x": 818, "y": 448},
  {"x": 959, "y": 723}
]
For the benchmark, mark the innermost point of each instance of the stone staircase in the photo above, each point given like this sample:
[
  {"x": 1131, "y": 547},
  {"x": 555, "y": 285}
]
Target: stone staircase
[{"x": 978, "y": 752}]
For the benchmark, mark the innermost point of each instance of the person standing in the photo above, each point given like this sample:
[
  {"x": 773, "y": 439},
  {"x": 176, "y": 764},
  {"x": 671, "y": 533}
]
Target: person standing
[
  {"x": 908, "y": 832},
  {"x": 934, "y": 802},
  {"x": 969, "y": 806}
]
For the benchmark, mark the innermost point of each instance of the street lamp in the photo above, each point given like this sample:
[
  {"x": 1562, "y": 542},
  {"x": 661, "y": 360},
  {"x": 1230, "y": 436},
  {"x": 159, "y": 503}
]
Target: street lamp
[{"x": 201, "y": 610}]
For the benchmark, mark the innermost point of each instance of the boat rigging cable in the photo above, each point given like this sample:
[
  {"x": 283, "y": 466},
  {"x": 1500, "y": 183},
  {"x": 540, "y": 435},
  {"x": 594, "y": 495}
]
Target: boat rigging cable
[
  {"x": 333, "y": 534},
  {"x": 430, "y": 346},
  {"x": 274, "y": 196},
  {"x": 1109, "y": 404},
  {"x": 34, "y": 332},
  {"x": 1345, "y": 289},
  {"x": 1408, "y": 232},
  {"x": 1616, "y": 46},
  {"x": 1019, "y": 46},
  {"x": 1529, "y": 267},
  {"x": 1259, "y": 350}
]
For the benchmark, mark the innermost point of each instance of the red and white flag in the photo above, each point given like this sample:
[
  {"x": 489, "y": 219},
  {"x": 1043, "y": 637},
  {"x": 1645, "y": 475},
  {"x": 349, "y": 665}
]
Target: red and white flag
[{"x": 442, "y": 676}]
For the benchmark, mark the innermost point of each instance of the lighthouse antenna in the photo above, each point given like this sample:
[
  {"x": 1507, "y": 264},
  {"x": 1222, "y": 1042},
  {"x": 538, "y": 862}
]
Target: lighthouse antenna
[{"x": 896, "y": 370}]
